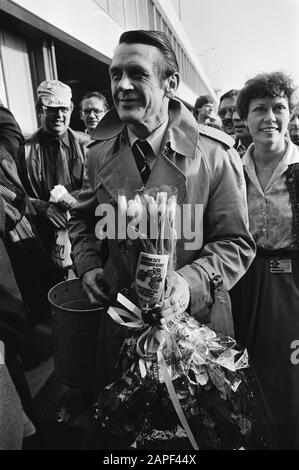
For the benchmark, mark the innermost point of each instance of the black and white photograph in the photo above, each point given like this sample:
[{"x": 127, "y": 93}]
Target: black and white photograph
[{"x": 149, "y": 228}]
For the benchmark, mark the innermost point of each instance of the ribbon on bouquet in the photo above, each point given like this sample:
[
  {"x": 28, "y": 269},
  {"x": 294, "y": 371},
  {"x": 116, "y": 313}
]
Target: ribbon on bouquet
[{"x": 150, "y": 342}]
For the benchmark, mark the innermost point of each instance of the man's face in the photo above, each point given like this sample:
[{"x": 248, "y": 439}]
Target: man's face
[
  {"x": 205, "y": 111},
  {"x": 240, "y": 128},
  {"x": 294, "y": 125},
  {"x": 139, "y": 93},
  {"x": 54, "y": 120},
  {"x": 92, "y": 111},
  {"x": 226, "y": 111}
]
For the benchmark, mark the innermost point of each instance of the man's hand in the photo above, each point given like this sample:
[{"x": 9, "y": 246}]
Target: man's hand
[
  {"x": 177, "y": 299},
  {"x": 56, "y": 216},
  {"x": 92, "y": 283}
]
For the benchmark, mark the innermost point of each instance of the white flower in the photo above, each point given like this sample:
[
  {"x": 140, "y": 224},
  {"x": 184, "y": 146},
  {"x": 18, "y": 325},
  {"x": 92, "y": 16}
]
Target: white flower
[
  {"x": 122, "y": 204},
  {"x": 57, "y": 192},
  {"x": 171, "y": 209},
  {"x": 152, "y": 206},
  {"x": 134, "y": 209},
  {"x": 162, "y": 202}
]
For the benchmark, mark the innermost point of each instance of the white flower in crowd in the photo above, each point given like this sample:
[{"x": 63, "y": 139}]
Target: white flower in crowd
[
  {"x": 122, "y": 204},
  {"x": 134, "y": 209},
  {"x": 171, "y": 209},
  {"x": 162, "y": 202},
  {"x": 57, "y": 192},
  {"x": 152, "y": 206}
]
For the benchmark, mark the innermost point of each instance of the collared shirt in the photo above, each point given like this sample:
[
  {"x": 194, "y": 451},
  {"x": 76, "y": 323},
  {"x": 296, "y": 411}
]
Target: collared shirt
[
  {"x": 154, "y": 139},
  {"x": 241, "y": 149},
  {"x": 270, "y": 210}
]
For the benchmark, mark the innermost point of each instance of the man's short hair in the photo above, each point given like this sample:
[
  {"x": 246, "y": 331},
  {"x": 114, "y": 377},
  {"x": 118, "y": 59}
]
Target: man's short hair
[
  {"x": 263, "y": 85},
  {"x": 228, "y": 95},
  {"x": 95, "y": 94},
  {"x": 200, "y": 102},
  {"x": 157, "y": 39}
]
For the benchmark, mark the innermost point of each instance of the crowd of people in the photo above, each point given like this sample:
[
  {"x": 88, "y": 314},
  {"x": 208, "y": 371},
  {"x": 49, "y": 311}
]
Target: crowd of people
[{"x": 238, "y": 158}]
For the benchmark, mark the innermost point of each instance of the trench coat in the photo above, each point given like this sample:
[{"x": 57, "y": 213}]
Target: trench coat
[{"x": 206, "y": 171}]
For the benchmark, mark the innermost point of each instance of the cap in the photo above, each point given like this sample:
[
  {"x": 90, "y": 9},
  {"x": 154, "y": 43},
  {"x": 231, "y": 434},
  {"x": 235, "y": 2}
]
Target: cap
[{"x": 54, "y": 93}]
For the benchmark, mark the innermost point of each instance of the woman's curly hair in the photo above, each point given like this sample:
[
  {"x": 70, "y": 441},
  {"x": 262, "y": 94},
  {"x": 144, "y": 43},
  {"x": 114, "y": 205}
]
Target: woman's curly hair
[{"x": 262, "y": 85}]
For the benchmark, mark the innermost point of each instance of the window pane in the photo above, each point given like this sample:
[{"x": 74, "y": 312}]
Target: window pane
[
  {"x": 164, "y": 27},
  {"x": 117, "y": 11},
  {"x": 131, "y": 14},
  {"x": 142, "y": 13},
  {"x": 18, "y": 85},
  {"x": 158, "y": 21},
  {"x": 103, "y": 4},
  {"x": 150, "y": 11},
  {"x": 3, "y": 99}
]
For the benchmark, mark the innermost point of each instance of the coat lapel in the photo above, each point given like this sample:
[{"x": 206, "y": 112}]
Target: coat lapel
[
  {"x": 121, "y": 172},
  {"x": 166, "y": 173}
]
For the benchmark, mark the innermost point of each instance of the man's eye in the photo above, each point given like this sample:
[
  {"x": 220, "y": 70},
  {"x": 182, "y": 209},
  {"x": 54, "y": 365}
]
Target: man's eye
[{"x": 115, "y": 76}]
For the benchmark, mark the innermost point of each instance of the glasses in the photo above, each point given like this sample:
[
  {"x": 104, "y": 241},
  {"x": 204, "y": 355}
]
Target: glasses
[
  {"x": 53, "y": 110},
  {"x": 96, "y": 111}
]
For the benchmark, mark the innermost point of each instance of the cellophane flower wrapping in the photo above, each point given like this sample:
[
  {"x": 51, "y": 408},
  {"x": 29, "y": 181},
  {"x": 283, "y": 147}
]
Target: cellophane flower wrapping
[
  {"x": 61, "y": 251},
  {"x": 214, "y": 387}
]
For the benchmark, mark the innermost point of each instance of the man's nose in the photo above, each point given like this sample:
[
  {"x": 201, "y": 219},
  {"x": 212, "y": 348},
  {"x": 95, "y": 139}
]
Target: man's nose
[
  {"x": 295, "y": 121},
  {"x": 93, "y": 113},
  {"x": 59, "y": 113},
  {"x": 125, "y": 83},
  {"x": 228, "y": 115},
  {"x": 236, "y": 116}
]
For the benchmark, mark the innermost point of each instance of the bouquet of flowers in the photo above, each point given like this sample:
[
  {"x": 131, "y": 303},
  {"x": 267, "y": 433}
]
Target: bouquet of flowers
[{"x": 176, "y": 385}]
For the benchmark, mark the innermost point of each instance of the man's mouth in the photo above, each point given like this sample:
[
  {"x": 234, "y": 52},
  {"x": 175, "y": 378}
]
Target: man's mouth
[{"x": 128, "y": 100}]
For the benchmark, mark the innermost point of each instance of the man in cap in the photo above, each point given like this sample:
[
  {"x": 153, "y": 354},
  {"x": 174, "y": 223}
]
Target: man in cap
[
  {"x": 54, "y": 155},
  {"x": 151, "y": 139}
]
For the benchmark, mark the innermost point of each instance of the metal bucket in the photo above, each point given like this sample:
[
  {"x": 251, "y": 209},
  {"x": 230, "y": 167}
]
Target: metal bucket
[{"x": 75, "y": 333}]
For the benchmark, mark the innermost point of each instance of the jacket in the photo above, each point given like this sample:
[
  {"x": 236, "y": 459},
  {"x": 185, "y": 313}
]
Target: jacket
[
  {"x": 204, "y": 168},
  {"x": 34, "y": 170}
]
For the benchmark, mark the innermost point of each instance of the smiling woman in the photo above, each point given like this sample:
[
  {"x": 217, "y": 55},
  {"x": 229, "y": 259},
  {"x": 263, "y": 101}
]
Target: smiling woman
[{"x": 265, "y": 301}]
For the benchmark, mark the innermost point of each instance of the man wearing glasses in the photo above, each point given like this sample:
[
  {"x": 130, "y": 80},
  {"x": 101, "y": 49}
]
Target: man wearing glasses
[
  {"x": 93, "y": 106},
  {"x": 55, "y": 155}
]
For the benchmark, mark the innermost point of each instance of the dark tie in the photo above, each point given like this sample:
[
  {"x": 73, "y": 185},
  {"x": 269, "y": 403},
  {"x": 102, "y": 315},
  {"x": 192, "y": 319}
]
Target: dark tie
[
  {"x": 62, "y": 166},
  {"x": 142, "y": 152}
]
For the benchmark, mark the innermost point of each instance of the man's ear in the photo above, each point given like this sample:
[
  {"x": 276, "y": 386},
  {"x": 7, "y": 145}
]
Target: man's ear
[{"x": 172, "y": 84}]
